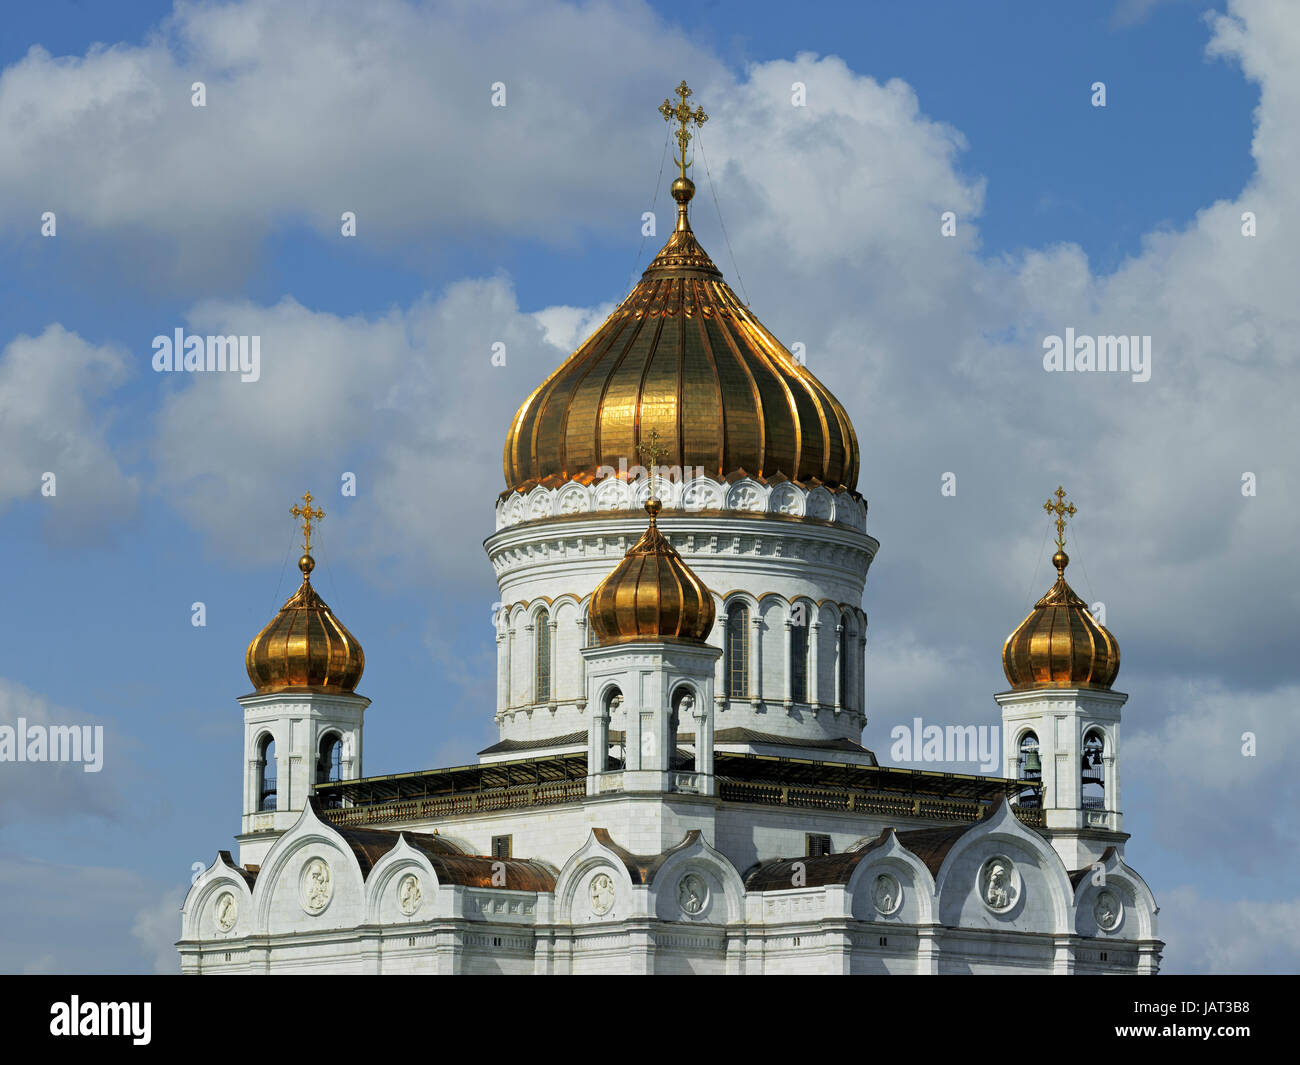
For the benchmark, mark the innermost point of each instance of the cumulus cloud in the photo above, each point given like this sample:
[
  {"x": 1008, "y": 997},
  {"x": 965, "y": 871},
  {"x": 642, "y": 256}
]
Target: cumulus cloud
[
  {"x": 53, "y": 420},
  {"x": 48, "y": 790},
  {"x": 1226, "y": 936},
  {"x": 1219, "y": 761},
  {"x": 313, "y": 109},
  {"x": 59, "y": 933},
  {"x": 409, "y": 401}
]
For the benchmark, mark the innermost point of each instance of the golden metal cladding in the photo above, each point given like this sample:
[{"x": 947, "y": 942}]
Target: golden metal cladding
[
  {"x": 682, "y": 353},
  {"x": 305, "y": 647},
  {"x": 651, "y": 594},
  {"x": 1060, "y": 645}
]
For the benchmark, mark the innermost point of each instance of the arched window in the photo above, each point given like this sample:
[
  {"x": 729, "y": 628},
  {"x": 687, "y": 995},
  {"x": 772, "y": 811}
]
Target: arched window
[
  {"x": 329, "y": 759},
  {"x": 799, "y": 658},
  {"x": 617, "y": 753},
  {"x": 1094, "y": 771},
  {"x": 842, "y": 664},
  {"x": 737, "y": 651},
  {"x": 1029, "y": 763},
  {"x": 1029, "y": 766},
  {"x": 266, "y": 786},
  {"x": 543, "y": 669}
]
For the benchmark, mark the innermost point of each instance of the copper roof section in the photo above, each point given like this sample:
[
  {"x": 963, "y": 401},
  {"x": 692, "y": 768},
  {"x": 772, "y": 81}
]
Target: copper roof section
[
  {"x": 682, "y": 354},
  {"x": 642, "y": 868},
  {"x": 248, "y": 875},
  {"x": 451, "y": 865},
  {"x": 931, "y": 845}
]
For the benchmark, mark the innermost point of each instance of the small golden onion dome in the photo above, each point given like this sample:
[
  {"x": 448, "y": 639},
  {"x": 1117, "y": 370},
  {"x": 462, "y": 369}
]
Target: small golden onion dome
[
  {"x": 684, "y": 354},
  {"x": 651, "y": 594},
  {"x": 1059, "y": 645},
  {"x": 305, "y": 647}
]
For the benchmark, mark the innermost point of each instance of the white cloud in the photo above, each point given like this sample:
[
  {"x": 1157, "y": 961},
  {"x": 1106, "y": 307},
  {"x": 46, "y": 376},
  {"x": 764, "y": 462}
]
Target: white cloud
[
  {"x": 409, "y": 401},
  {"x": 59, "y": 932},
  {"x": 51, "y": 421},
  {"x": 313, "y": 109},
  {"x": 1214, "y": 935},
  {"x": 157, "y": 927},
  {"x": 1197, "y": 776},
  {"x": 44, "y": 791}
]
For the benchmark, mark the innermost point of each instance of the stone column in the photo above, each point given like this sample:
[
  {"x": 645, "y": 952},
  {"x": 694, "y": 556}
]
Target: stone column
[
  {"x": 503, "y": 669},
  {"x": 552, "y": 702},
  {"x": 582, "y": 669},
  {"x": 788, "y": 687},
  {"x": 720, "y": 679},
  {"x": 530, "y": 685},
  {"x": 814, "y": 634},
  {"x": 839, "y": 652},
  {"x": 860, "y": 664},
  {"x": 703, "y": 745},
  {"x": 755, "y": 661},
  {"x": 510, "y": 666},
  {"x": 598, "y": 745},
  {"x": 1111, "y": 761}
]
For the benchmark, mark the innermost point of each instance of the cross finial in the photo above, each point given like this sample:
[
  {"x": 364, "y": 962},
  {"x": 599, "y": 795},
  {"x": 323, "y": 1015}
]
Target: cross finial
[
  {"x": 683, "y": 116},
  {"x": 1061, "y": 509},
  {"x": 308, "y": 514},
  {"x": 654, "y": 451}
]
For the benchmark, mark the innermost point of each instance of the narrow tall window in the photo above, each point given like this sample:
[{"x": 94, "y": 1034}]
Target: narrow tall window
[
  {"x": 799, "y": 663},
  {"x": 329, "y": 761},
  {"x": 737, "y": 651},
  {"x": 843, "y": 665},
  {"x": 1029, "y": 767},
  {"x": 543, "y": 624},
  {"x": 266, "y": 787},
  {"x": 1094, "y": 772}
]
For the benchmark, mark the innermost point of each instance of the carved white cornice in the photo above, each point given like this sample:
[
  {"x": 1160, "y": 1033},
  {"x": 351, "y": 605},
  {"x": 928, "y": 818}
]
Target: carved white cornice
[{"x": 697, "y": 494}]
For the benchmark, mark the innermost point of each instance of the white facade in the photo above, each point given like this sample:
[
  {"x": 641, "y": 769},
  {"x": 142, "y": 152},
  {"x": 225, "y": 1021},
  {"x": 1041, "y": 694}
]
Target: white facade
[
  {"x": 786, "y": 558},
  {"x": 682, "y": 908}
]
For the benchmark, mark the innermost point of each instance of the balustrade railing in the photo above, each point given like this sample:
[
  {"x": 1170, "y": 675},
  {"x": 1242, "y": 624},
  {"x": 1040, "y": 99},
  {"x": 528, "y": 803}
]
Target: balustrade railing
[{"x": 462, "y": 803}]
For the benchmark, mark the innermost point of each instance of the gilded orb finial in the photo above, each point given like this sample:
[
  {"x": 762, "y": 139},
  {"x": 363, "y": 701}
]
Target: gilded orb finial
[
  {"x": 307, "y": 514},
  {"x": 1061, "y": 509},
  {"x": 653, "y": 451}
]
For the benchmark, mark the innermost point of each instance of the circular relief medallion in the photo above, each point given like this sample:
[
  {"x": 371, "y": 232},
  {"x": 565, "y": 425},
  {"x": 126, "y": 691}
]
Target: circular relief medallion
[
  {"x": 1107, "y": 911},
  {"x": 886, "y": 895},
  {"x": 602, "y": 894},
  {"x": 226, "y": 911},
  {"x": 692, "y": 894},
  {"x": 316, "y": 886},
  {"x": 409, "y": 895},
  {"x": 998, "y": 884}
]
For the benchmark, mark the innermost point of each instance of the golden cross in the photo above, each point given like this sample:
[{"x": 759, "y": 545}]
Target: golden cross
[
  {"x": 308, "y": 514},
  {"x": 1060, "y": 508},
  {"x": 684, "y": 116},
  {"x": 654, "y": 451}
]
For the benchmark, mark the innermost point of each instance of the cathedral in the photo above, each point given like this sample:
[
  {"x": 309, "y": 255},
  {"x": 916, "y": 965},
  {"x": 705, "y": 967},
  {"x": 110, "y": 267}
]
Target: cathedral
[{"x": 680, "y": 783}]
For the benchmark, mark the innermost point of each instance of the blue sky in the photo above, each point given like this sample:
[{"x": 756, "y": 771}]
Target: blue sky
[{"x": 522, "y": 226}]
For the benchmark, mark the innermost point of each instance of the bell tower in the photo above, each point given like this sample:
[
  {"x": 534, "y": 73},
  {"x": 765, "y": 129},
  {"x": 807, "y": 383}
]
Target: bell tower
[
  {"x": 303, "y": 720},
  {"x": 1061, "y": 720},
  {"x": 651, "y": 671}
]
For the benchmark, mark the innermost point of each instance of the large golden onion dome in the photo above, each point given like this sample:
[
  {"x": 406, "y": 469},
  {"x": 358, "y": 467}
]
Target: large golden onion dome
[
  {"x": 305, "y": 647},
  {"x": 651, "y": 594},
  {"x": 1060, "y": 645},
  {"x": 682, "y": 353}
]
